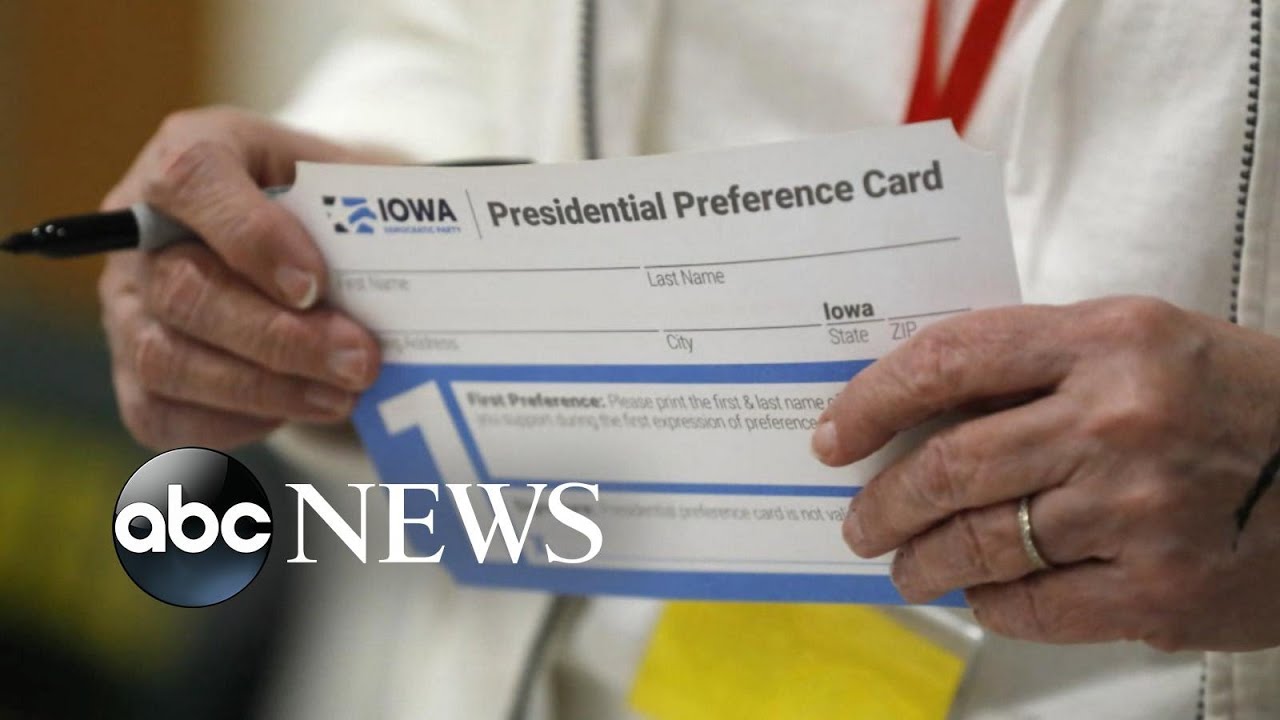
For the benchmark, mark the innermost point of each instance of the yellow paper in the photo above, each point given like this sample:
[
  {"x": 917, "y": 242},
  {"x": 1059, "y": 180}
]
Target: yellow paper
[{"x": 756, "y": 660}]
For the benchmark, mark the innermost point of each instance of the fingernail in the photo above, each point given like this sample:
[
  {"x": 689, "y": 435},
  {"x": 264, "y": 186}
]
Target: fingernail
[
  {"x": 299, "y": 286},
  {"x": 349, "y": 365},
  {"x": 901, "y": 574},
  {"x": 853, "y": 530},
  {"x": 328, "y": 400},
  {"x": 823, "y": 443}
]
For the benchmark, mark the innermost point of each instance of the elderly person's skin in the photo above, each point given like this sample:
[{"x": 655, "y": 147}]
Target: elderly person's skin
[
  {"x": 219, "y": 343},
  {"x": 1137, "y": 428}
]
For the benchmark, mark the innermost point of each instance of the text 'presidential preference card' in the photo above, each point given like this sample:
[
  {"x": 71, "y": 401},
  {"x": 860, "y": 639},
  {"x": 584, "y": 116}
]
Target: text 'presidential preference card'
[{"x": 665, "y": 328}]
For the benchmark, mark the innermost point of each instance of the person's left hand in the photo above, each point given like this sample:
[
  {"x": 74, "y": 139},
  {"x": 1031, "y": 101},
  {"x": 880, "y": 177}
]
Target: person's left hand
[{"x": 1140, "y": 432}]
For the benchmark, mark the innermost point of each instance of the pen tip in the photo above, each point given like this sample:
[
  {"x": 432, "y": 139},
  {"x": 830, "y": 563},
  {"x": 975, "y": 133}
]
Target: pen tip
[{"x": 17, "y": 242}]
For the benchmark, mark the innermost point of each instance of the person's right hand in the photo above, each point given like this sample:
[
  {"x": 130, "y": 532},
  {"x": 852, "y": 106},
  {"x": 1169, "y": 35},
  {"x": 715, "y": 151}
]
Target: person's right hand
[{"x": 218, "y": 343}]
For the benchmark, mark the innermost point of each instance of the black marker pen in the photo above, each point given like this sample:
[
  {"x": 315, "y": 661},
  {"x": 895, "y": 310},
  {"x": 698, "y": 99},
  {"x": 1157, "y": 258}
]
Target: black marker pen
[{"x": 136, "y": 227}]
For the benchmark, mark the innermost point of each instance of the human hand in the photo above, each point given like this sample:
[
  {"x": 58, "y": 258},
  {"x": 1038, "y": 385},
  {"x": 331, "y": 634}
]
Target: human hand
[
  {"x": 218, "y": 343},
  {"x": 1142, "y": 444}
]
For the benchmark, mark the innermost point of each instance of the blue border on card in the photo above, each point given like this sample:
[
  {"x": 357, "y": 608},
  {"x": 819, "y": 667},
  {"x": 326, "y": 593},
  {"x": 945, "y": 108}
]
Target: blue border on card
[{"x": 400, "y": 459}]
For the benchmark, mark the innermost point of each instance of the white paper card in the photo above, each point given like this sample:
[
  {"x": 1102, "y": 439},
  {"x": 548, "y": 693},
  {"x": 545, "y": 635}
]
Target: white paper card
[{"x": 667, "y": 327}]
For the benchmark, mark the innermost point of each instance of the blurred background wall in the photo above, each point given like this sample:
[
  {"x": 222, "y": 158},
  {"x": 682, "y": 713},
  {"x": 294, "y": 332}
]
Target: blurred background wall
[
  {"x": 259, "y": 49},
  {"x": 83, "y": 83}
]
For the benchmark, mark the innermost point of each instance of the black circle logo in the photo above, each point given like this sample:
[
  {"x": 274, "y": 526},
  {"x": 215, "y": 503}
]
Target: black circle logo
[{"x": 192, "y": 527}]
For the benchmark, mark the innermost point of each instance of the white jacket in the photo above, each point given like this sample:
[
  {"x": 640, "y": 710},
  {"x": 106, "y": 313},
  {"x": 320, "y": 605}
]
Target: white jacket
[{"x": 1140, "y": 139}]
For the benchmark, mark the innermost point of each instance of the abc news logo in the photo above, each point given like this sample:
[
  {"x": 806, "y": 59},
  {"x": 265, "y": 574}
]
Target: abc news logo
[{"x": 192, "y": 526}]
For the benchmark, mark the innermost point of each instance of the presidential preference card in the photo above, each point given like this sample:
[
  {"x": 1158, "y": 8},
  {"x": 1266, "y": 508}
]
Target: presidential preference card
[{"x": 665, "y": 329}]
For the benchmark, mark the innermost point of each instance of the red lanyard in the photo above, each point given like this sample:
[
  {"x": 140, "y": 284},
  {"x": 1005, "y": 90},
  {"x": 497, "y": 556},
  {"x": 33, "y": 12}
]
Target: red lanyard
[{"x": 957, "y": 97}]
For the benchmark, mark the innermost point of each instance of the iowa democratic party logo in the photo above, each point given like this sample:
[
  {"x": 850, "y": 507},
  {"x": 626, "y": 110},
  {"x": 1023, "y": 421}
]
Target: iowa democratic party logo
[
  {"x": 350, "y": 214},
  {"x": 390, "y": 215}
]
